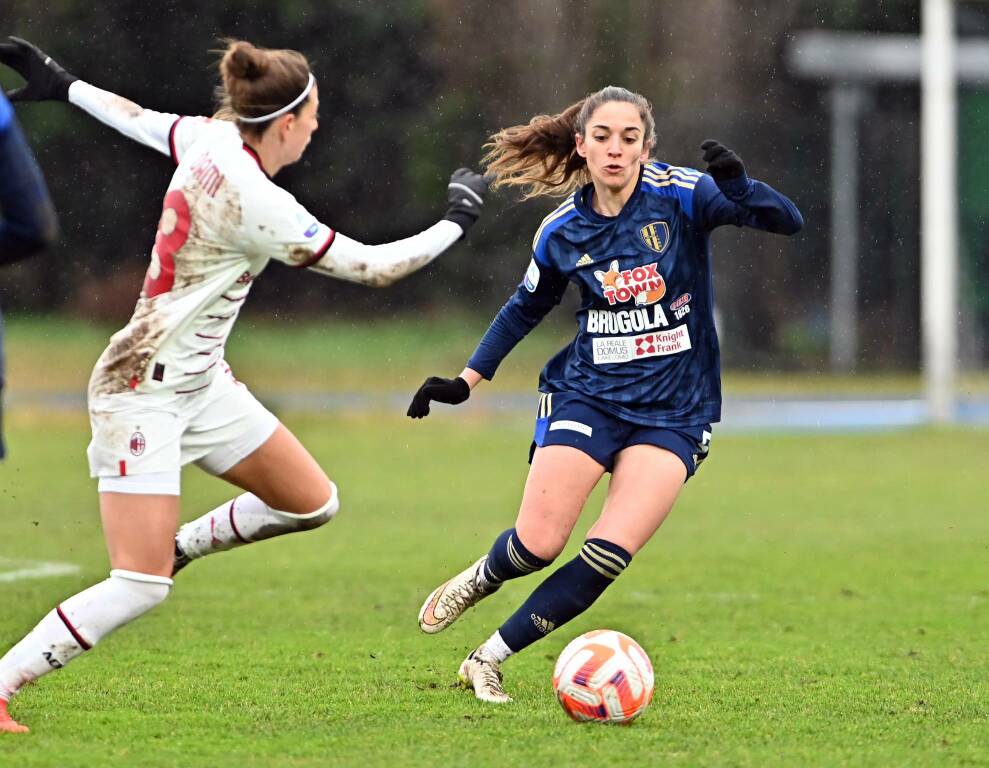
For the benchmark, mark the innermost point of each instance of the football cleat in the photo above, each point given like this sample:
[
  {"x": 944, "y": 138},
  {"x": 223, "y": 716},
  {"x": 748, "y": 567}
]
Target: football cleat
[
  {"x": 7, "y": 723},
  {"x": 482, "y": 672},
  {"x": 181, "y": 559},
  {"x": 449, "y": 600}
]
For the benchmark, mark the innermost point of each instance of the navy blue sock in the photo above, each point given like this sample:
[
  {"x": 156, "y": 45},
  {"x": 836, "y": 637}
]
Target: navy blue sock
[
  {"x": 567, "y": 593},
  {"x": 509, "y": 559}
]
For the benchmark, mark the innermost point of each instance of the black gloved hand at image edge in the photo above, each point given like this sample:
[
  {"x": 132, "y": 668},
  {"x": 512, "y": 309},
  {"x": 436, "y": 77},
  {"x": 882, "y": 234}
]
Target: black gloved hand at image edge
[{"x": 45, "y": 79}]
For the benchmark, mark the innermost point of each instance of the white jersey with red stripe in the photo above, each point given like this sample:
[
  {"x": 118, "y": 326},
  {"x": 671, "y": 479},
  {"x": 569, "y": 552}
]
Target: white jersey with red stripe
[{"x": 223, "y": 219}]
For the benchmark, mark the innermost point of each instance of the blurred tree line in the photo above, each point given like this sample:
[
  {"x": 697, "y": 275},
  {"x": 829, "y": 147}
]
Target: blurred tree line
[{"x": 411, "y": 89}]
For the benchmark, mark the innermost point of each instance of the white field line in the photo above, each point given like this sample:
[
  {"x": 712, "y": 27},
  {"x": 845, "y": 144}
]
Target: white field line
[{"x": 33, "y": 569}]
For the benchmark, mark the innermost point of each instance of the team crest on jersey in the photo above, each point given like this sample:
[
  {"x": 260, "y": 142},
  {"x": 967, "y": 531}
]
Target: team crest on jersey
[
  {"x": 137, "y": 444},
  {"x": 656, "y": 235},
  {"x": 642, "y": 284}
]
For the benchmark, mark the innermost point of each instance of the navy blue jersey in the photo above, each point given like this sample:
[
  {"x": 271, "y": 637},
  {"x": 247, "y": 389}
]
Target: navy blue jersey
[
  {"x": 646, "y": 347},
  {"x": 27, "y": 218}
]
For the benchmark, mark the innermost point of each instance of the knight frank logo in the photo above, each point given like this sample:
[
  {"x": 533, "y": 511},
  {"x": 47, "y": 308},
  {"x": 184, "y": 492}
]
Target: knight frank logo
[
  {"x": 656, "y": 235},
  {"x": 137, "y": 443}
]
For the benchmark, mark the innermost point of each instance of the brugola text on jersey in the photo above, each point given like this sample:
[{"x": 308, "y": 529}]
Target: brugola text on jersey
[{"x": 646, "y": 348}]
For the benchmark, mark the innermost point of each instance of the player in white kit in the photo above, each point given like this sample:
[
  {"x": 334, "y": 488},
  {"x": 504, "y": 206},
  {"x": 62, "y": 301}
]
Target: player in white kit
[{"x": 161, "y": 395}]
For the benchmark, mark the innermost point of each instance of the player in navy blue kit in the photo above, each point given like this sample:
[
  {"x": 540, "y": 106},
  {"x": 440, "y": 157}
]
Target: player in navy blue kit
[
  {"x": 636, "y": 391},
  {"x": 27, "y": 217}
]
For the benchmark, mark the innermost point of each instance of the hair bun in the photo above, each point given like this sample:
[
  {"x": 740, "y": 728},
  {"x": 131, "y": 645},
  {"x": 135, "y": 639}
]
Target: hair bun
[{"x": 245, "y": 62}]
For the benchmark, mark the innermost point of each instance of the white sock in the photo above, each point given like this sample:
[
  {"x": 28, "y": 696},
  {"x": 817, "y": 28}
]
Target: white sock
[
  {"x": 244, "y": 520},
  {"x": 496, "y": 648},
  {"x": 78, "y": 624}
]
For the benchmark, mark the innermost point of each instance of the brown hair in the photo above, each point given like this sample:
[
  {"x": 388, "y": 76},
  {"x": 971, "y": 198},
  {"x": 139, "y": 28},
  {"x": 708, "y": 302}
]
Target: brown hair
[
  {"x": 542, "y": 156},
  {"x": 257, "y": 82}
]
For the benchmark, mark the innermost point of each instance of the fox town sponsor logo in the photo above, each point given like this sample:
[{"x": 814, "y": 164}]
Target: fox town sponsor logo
[{"x": 642, "y": 284}]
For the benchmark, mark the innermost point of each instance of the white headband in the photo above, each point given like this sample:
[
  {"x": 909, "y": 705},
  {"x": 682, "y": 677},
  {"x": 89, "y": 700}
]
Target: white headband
[{"x": 287, "y": 108}]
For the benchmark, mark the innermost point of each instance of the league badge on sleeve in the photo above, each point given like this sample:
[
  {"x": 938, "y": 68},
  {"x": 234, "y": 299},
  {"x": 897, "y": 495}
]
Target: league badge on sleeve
[
  {"x": 531, "y": 277},
  {"x": 305, "y": 219}
]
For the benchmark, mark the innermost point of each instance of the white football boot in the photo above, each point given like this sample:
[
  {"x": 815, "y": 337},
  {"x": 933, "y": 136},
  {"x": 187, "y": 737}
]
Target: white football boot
[
  {"x": 482, "y": 672},
  {"x": 448, "y": 601}
]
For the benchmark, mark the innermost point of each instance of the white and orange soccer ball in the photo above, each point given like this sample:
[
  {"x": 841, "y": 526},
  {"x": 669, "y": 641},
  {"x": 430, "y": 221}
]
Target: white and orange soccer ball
[{"x": 603, "y": 676}]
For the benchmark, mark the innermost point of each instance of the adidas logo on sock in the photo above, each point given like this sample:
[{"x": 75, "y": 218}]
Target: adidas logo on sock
[{"x": 544, "y": 626}]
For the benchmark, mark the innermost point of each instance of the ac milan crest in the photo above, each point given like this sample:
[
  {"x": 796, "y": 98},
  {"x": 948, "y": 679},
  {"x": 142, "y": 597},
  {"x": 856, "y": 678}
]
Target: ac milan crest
[{"x": 137, "y": 443}]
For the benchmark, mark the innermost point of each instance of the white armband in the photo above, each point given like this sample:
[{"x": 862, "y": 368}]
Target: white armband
[
  {"x": 381, "y": 265},
  {"x": 144, "y": 125}
]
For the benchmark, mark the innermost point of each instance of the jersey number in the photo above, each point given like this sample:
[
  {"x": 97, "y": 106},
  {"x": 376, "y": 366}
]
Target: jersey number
[{"x": 173, "y": 231}]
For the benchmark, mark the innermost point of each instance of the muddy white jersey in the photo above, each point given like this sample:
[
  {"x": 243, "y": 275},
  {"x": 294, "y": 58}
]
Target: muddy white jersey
[{"x": 222, "y": 220}]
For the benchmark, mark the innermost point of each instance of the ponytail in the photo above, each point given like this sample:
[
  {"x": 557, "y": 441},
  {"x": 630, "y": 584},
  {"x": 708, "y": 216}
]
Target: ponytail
[
  {"x": 541, "y": 155},
  {"x": 542, "y": 158}
]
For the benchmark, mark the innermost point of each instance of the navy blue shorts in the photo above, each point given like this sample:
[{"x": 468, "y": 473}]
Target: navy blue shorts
[{"x": 566, "y": 418}]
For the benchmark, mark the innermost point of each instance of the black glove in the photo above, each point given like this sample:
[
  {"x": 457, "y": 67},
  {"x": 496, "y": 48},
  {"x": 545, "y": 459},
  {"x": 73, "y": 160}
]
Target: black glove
[
  {"x": 723, "y": 164},
  {"x": 46, "y": 80},
  {"x": 465, "y": 194},
  {"x": 452, "y": 391}
]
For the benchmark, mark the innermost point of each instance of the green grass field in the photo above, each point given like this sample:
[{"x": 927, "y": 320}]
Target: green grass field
[{"x": 813, "y": 599}]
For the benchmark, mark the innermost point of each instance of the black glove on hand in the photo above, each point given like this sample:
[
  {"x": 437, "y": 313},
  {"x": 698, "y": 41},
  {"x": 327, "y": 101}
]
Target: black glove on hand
[
  {"x": 723, "y": 164},
  {"x": 465, "y": 194},
  {"x": 46, "y": 80},
  {"x": 451, "y": 391}
]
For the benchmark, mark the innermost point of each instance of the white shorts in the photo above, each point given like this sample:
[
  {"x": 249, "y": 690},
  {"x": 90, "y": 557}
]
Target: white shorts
[{"x": 156, "y": 434}]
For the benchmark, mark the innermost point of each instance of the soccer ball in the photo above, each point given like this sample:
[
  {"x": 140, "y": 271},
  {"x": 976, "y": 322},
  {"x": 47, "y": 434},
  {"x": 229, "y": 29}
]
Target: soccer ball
[{"x": 603, "y": 676}]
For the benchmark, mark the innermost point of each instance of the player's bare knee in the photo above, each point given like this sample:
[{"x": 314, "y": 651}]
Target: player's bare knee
[
  {"x": 546, "y": 545},
  {"x": 550, "y": 549}
]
